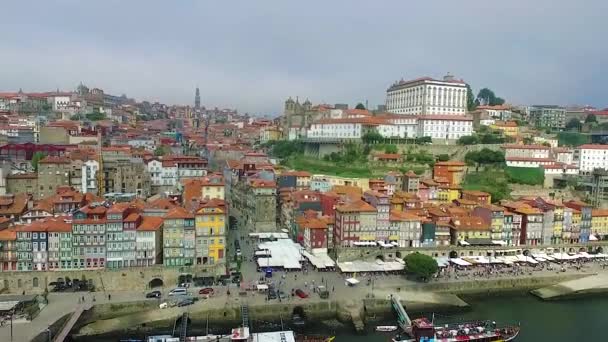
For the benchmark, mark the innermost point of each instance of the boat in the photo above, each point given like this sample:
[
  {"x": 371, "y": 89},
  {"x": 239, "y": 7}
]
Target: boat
[
  {"x": 482, "y": 331},
  {"x": 386, "y": 328}
]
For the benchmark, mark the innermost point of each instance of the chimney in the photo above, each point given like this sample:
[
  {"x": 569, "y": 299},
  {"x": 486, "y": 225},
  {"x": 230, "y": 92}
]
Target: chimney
[{"x": 448, "y": 77}]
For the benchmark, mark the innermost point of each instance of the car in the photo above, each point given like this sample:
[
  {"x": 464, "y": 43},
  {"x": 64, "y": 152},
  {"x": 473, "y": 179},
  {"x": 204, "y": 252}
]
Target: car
[
  {"x": 185, "y": 302},
  {"x": 301, "y": 294},
  {"x": 282, "y": 294},
  {"x": 206, "y": 291},
  {"x": 179, "y": 291},
  {"x": 153, "y": 294}
]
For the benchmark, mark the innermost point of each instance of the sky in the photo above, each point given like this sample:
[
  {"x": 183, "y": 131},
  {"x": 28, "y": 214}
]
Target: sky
[{"x": 252, "y": 55}]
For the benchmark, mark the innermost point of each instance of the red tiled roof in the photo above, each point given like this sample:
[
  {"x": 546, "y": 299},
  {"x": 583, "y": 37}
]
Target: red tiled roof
[
  {"x": 356, "y": 206},
  {"x": 446, "y": 117},
  {"x": 150, "y": 223},
  {"x": 179, "y": 213},
  {"x": 525, "y": 147},
  {"x": 55, "y": 160},
  {"x": 593, "y": 147}
]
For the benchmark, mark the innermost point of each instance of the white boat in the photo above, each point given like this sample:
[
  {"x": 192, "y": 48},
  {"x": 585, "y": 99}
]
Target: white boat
[{"x": 386, "y": 328}]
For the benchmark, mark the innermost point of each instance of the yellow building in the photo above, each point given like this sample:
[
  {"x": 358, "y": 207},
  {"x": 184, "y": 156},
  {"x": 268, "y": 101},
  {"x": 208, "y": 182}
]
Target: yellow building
[
  {"x": 270, "y": 133},
  {"x": 558, "y": 224},
  {"x": 508, "y": 128},
  {"x": 446, "y": 194},
  {"x": 599, "y": 221},
  {"x": 573, "y": 235},
  {"x": 210, "y": 233},
  {"x": 471, "y": 229}
]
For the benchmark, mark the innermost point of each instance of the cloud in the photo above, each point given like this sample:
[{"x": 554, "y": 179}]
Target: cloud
[{"x": 252, "y": 55}]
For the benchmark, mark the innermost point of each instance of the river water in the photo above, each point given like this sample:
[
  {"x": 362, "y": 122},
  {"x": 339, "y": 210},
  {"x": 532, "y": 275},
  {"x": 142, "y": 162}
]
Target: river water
[{"x": 568, "y": 320}]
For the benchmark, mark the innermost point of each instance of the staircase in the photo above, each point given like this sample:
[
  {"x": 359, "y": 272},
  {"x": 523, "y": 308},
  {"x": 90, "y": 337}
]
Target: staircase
[
  {"x": 183, "y": 331},
  {"x": 245, "y": 315}
]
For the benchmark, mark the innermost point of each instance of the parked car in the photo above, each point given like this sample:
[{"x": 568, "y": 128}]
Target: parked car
[
  {"x": 179, "y": 291},
  {"x": 272, "y": 294},
  {"x": 206, "y": 291},
  {"x": 301, "y": 293},
  {"x": 153, "y": 294},
  {"x": 186, "y": 302}
]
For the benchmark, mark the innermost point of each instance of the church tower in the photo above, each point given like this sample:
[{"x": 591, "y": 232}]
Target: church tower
[{"x": 197, "y": 99}]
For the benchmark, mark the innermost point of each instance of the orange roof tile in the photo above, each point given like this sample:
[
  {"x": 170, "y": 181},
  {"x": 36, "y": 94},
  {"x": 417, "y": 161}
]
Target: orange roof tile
[
  {"x": 179, "y": 213},
  {"x": 150, "y": 223}
]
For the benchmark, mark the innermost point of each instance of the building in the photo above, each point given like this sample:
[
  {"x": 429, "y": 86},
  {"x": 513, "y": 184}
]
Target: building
[
  {"x": 584, "y": 218},
  {"x": 449, "y": 127},
  {"x": 23, "y": 183},
  {"x": 381, "y": 202},
  {"x": 531, "y": 225},
  {"x": 178, "y": 238},
  {"x": 355, "y": 222},
  {"x": 450, "y": 171},
  {"x": 527, "y": 151},
  {"x": 254, "y": 201},
  {"x": 477, "y": 196},
  {"x": 498, "y": 112},
  {"x": 8, "y": 250},
  {"x": 315, "y": 235},
  {"x": 89, "y": 237},
  {"x": 424, "y": 96},
  {"x": 53, "y": 172},
  {"x": 591, "y": 157},
  {"x": 149, "y": 242},
  {"x": 122, "y": 221},
  {"x": 405, "y": 229},
  {"x": 548, "y": 116},
  {"x": 210, "y": 235},
  {"x": 471, "y": 230},
  {"x": 126, "y": 176},
  {"x": 508, "y": 128},
  {"x": 299, "y": 180}
]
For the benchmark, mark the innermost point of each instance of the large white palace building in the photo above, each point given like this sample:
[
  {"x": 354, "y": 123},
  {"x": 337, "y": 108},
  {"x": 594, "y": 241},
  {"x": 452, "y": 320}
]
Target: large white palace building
[{"x": 427, "y": 96}]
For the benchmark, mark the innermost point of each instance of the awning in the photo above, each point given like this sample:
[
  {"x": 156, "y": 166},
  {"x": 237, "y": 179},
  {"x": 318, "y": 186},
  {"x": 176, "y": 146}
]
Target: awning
[
  {"x": 460, "y": 262},
  {"x": 262, "y": 287},
  {"x": 463, "y": 243},
  {"x": 442, "y": 261},
  {"x": 592, "y": 237},
  {"x": 499, "y": 242}
]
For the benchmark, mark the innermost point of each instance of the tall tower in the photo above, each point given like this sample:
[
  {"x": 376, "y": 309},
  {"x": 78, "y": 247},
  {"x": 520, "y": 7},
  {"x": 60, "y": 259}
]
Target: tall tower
[{"x": 197, "y": 99}]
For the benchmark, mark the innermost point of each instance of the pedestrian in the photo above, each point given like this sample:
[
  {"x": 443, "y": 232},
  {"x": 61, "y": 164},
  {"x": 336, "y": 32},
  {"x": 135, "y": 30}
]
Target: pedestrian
[
  {"x": 333, "y": 289},
  {"x": 83, "y": 299},
  {"x": 109, "y": 297}
]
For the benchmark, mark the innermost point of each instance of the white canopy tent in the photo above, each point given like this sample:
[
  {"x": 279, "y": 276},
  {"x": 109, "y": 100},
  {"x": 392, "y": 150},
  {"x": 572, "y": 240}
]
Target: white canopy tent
[
  {"x": 352, "y": 281},
  {"x": 320, "y": 261},
  {"x": 460, "y": 262}
]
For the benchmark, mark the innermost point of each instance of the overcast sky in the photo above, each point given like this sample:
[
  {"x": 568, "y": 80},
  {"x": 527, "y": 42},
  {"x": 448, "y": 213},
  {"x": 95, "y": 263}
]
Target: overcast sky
[{"x": 252, "y": 55}]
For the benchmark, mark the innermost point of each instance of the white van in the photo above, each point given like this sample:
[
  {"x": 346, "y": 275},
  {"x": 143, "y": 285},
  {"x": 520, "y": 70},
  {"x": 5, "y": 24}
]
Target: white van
[{"x": 179, "y": 291}]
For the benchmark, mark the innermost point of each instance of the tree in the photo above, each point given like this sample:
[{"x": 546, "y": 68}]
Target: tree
[
  {"x": 372, "y": 136},
  {"x": 360, "y": 106},
  {"x": 487, "y": 97},
  {"x": 443, "y": 157},
  {"x": 591, "y": 118},
  {"x": 470, "y": 99},
  {"x": 573, "y": 124},
  {"x": 161, "y": 150},
  {"x": 391, "y": 149},
  {"x": 96, "y": 116},
  {"x": 36, "y": 160},
  {"x": 421, "y": 265},
  {"x": 467, "y": 140}
]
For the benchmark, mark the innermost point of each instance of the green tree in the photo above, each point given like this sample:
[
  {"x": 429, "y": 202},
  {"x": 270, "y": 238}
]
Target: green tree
[
  {"x": 467, "y": 140},
  {"x": 487, "y": 97},
  {"x": 391, "y": 149},
  {"x": 286, "y": 148},
  {"x": 421, "y": 265},
  {"x": 591, "y": 118},
  {"x": 527, "y": 140},
  {"x": 443, "y": 157},
  {"x": 470, "y": 99},
  {"x": 96, "y": 116},
  {"x": 372, "y": 136},
  {"x": 161, "y": 150},
  {"x": 573, "y": 124},
  {"x": 36, "y": 160},
  {"x": 423, "y": 140},
  {"x": 360, "y": 106}
]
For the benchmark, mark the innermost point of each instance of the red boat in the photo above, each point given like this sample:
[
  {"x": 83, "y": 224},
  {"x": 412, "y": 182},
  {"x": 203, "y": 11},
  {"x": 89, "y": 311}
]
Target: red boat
[{"x": 482, "y": 331}]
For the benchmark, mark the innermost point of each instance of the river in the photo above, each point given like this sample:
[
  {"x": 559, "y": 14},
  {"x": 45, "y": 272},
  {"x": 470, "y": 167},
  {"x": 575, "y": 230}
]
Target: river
[{"x": 568, "y": 320}]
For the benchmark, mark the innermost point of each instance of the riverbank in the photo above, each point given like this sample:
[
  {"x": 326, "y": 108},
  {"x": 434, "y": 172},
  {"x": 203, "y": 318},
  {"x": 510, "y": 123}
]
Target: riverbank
[
  {"x": 220, "y": 310},
  {"x": 587, "y": 286}
]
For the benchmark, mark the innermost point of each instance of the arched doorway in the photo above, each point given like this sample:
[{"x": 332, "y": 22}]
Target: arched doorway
[
  {"x": 600, "y": 249},
  {"x": 156, "y": 282},
  {"x": 526, "y": 252},
  {"x": 380, "y": 257},
  {"x": 35, "y": 282},
  {"x": 453, "y": 254},
  {"x": 398, "y": 255}
]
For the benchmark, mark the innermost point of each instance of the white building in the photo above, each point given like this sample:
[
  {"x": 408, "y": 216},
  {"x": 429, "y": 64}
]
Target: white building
[
  {"x": 501, "y": 112},
  {"x": 60, "y": 101},
  {"x": 401, "y": 126},
  {"x": 527, "y": 151},
  {"x": 148, "y": 143},
  {"x": 592, "y": 156},
  {"x": 528, "y": 162},
  {"x": 560, "y": 169},
  {"x": 424, "y": 96},
  {"x": 445, "y": 126},
  {"x": 564, "y": 156},
  {"x": 162, "y": 173},
  {"x": 348, "y": 128},
  {"x": 89, "y": 176}
]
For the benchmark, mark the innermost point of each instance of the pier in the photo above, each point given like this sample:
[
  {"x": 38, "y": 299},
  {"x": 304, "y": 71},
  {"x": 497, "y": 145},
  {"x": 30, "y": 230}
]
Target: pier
[
  {"x": 402, "y": 317},
  {"x": 65, "y": 330}
]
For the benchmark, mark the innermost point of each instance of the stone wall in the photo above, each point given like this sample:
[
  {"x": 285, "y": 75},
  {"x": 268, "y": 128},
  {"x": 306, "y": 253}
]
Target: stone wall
[{"x": 134, "y": 279}]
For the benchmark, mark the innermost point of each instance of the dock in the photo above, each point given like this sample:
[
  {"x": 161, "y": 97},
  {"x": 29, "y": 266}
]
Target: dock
[
  {"x": 65, "y": 330},
  {"x": 405, "y": 323}
]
